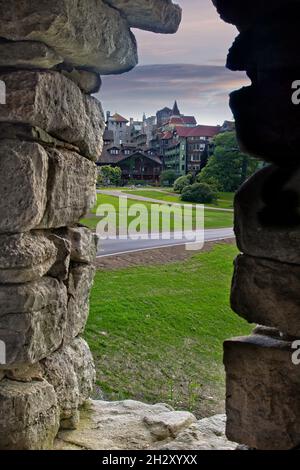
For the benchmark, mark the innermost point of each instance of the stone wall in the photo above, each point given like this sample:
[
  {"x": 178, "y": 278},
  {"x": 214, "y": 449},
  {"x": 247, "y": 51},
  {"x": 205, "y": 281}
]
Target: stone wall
[
  {"x": 51, "y": 58},
  {"x": 263, "y": 406}
]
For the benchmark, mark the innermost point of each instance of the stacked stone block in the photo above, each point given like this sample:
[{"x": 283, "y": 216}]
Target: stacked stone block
[
  {"x": 263, "y": 382},
  {"x": 51, "y": 58}
]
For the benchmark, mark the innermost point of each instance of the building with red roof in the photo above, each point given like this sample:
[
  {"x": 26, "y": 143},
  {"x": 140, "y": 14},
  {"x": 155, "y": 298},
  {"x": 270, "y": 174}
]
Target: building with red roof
[{"x": 188, "y": 149}]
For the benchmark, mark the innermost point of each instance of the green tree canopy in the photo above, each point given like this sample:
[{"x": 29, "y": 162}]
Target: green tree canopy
[
  {"x": 182, "y": 182},
  {"x": 228, "y": 167},
  {"x": 167, "y": 178},
  {"x": 109, "y": 176}
]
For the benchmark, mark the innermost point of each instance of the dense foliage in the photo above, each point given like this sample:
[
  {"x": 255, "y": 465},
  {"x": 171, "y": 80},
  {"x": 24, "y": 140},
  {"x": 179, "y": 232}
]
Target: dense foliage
[
  {"x": 182, "y": 182},
  {"x": 199, "y": 192},
  {"x": 167, "y": 178},
  {"x": 109, "y": 176},
  {"x": 227, "y": 168}
]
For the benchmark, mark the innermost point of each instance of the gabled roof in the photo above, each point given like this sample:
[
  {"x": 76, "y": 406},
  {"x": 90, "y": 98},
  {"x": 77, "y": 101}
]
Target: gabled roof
[
  {"x": 107, "y": 158},
  {"x": 183, "y": 120},
  {"x": 118, "y": 118},
  {"x": 198, "y": 131}
]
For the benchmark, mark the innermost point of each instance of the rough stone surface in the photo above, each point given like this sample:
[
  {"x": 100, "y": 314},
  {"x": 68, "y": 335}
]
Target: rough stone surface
[
  {"x": 267, "y": 292},
  {"x": 88, "y": 82},
  {"x": 32, "y": 320},
  {"x": 265, "y": 49},
  {"x": 83, "y": 243},
  {"x": 17, "y": 131},
  {"x": 131, "y": 425},
  {"x": 25, "y": 257},
  {"x": 79, "y": 285},
  {"x": 28, "y": 373},
  {"x": 23, "y": 183},
  {"x": 71, "y": 372},
  {"x": 245, "y": 14},
  {"x": 28, "y": 55},
  {"x": 267, "y": 215},
  {"x": 56, "y": 104},
  {"x": 71, "y": 188},
  {"x": 60, "y": 269},
  {"x": 86, "y": 33},
  {"x": 160, "y": 16},
  {"x": 29, "y": 415},
  {"x": 263, "y": 384},
  {"x": 268, "y": 130},
  {"x": 125, "y": 425},
  {"x": 206, "y": 434}
]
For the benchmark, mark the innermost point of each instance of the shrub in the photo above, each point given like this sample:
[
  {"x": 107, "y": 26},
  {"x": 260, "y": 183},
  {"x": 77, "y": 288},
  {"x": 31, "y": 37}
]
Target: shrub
[
  {"x": 199, "y": 192},
  {"x": 182, "y": 182}
]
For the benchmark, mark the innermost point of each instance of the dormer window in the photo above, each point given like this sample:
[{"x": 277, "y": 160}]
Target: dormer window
[{"x": 114, "y": 151}]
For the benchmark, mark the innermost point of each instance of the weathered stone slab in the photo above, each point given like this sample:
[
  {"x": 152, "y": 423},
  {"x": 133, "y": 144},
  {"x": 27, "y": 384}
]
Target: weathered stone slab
[
  {"x": 267, "y": 119},
  {"x": 27, "y": 373},
  {"x": 267, "y": 215},
  {"x": 28, "y": 54},
  {"x": 267, "y": 292},
  {"x": 71, "y": 188},
  {"x": 32, "y": 320},
  {"x": 54, "y": 103},
  {"x": 160, "y": 16},
  {"x": 86, "y": 33},
  {"x": 245, "y": 14},
  {"x": 29, "y": 415},
  {"x": 262, "y": 385},
  {"x": 23, "y": 183},
  {"x": 206, "y": 434},
  {"x": 25, "y": 257},
  {"x": 266, "y": 49},
  {"x": 83, "y": 243},
  {"x": 79, "y": 286},
  {"x": 125, "y": 425},
  {"x": 71, "y": 372},
  {"x": 88, "y": 82},
  {"x": 60, "y": 269},
  {"x": 17, "y": 131}
]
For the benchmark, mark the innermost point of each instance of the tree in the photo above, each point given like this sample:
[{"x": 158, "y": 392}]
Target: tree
[
  {"x": 167, "y": 178},
  {"x": 182, "y": 182},
  {"x": 199, "y": 192},
  {"x": 109, "y": 176},
  {"x": 228, "y": 168}
]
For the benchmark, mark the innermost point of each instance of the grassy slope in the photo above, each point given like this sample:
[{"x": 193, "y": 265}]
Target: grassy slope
[
  {"x": 156, "y": 332},
  {"x": 225, "y": 200},
  {"x": 213, "y": 219}
]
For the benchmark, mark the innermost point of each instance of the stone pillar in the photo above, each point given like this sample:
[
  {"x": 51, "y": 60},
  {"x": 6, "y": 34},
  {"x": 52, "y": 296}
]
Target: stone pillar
[
  {"x": 51, "y": 58},
  {"x": 263, "y": 382}
]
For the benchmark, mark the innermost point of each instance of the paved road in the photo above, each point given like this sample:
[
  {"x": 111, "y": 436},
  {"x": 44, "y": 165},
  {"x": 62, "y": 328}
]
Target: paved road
[
  {"x": 117, "y": 193},
  {"x": 114, "y": 247}
]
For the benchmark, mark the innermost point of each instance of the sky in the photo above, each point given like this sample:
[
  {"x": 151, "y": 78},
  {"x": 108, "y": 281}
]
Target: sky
[{"x": 187, "y": 66}]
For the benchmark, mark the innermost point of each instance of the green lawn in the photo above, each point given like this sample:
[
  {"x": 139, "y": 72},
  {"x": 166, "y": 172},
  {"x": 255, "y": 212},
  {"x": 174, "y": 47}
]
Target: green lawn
[
  {"x": 213, "y": 219},
  {"x": 225, "y": 200},
  {"x": 156, "y": 332}
]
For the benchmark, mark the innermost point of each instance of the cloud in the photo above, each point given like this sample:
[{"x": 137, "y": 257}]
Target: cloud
[
  {"x": 201, "y": 90},
  {"x": 202, "y": 38}
]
